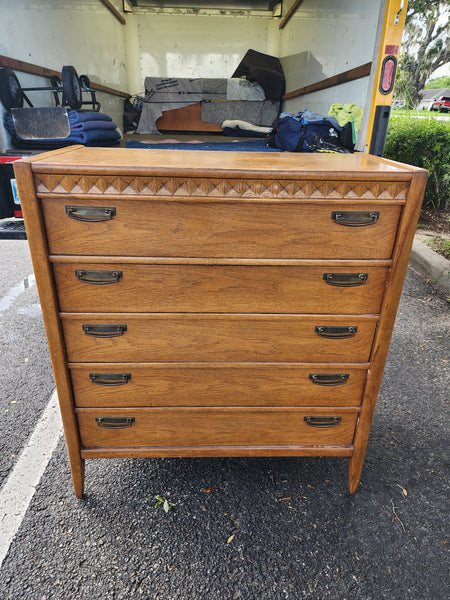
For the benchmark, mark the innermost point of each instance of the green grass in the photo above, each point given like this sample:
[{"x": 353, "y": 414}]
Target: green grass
[
  {"x": 440, "y": 245},
  {"x": 417, "y": 113}
]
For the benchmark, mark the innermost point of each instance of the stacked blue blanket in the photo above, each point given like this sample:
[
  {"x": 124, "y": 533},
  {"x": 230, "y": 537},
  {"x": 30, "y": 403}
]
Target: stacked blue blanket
[{"x": 88, "y": 128}]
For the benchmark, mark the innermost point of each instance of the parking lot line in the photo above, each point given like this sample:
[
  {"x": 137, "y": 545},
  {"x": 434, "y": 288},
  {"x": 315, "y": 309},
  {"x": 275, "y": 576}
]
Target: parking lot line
[
  {"x": 20, "y": 486},
  {"x": 8, "y": 299}
]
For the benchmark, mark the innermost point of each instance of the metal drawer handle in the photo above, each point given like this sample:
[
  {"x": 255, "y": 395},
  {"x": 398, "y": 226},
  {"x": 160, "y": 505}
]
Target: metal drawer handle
[
  {"x": 104, "y": 331},
  {"x": 345, "y": 279},
  {"x": 355, "y": 219},
  {"x": 91, "y": 213},
  {"x": 329, "y": 379},
  {"x": 336, "y": 332},
  {"x": 322, "y": 422},
  {"x": 110, "y": 379},
  {"x": 98, "y": 277},
  {"x": 115, "y": 422}
]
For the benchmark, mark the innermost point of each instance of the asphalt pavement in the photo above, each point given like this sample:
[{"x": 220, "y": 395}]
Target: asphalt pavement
[{"x": 240, "y": 528}]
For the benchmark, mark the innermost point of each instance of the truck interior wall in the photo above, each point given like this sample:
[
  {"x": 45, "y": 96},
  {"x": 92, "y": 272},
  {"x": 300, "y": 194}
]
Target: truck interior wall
[
  {"x": 324, "y": 38},
  {"x": 199, "y": 45}
]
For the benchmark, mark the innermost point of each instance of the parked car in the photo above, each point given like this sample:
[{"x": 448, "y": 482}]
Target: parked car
[{"x": 442, "y": 105}]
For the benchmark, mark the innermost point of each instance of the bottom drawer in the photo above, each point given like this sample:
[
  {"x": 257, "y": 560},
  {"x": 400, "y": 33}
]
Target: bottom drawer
[{"x": 168, "y": 427}]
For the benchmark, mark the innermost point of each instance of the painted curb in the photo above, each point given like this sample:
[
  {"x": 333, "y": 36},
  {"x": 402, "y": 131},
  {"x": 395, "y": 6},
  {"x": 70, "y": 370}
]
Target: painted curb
[{"x": 430, "y": 265}]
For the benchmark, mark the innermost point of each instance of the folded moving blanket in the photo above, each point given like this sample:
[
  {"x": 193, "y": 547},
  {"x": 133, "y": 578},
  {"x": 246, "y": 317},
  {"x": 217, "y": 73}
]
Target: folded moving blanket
[
  {"x": 88, "y": 125},
  {"x": 82, "y": 117},
  {"x": 54, "y": 144},
  {"x": 83, "y": 137},
  {"x": 81, "y": 131}
]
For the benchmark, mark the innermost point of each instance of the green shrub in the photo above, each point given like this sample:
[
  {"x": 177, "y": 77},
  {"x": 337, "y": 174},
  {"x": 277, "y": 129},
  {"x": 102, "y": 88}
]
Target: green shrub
[{"x": 423, "y": 142}]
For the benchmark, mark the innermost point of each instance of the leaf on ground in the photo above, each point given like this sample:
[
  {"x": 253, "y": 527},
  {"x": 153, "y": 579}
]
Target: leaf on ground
[
  {"x": 404, "y": 492},
  {"x": 230, "y": 539},
  {"x": 210, "y": 489}
]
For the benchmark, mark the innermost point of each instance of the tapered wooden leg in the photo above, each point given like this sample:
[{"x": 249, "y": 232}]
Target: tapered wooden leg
[
  {"x": 78, "y": 477},
  {"x": 355, "y": 464}
]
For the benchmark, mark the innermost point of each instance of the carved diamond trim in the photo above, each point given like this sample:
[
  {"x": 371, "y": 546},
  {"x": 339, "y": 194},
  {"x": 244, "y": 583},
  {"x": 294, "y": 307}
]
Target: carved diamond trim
[{"x": 226, "y": 188}]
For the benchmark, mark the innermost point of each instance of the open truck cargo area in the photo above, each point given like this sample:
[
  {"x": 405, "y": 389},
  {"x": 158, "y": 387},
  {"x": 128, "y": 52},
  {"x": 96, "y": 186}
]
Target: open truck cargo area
[{"x": 342, "y": 52}]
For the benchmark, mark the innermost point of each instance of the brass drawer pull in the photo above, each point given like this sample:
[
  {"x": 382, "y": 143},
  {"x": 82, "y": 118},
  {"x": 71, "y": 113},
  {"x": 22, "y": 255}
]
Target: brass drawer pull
[
  {"x": 345, "y": 279},
  {"x": 115, "y": 422},
  {"x": 329, "y": 379},
  {"x": 336, "y": 332},
  {"x": 104, "y": 331},
  {"x": 110, "y": 379},
  {"x": 91, "y": 213},
  {"x": 355, "y": 219},
  {"x": 98, "y": 277},
  {"x": 322, "y": 422}
]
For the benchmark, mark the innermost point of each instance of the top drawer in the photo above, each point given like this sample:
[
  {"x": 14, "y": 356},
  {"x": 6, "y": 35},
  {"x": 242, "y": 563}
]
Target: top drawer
[{"x": 220, "y": 228}]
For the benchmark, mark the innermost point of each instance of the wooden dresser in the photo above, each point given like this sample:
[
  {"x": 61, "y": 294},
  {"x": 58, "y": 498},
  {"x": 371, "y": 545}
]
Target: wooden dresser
[{"x": 218, "y": 303}]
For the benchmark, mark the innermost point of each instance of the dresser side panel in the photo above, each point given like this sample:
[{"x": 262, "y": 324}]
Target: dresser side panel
[
  {"x": 37, "y": 240},
  {"x": 402, "y": 250}
]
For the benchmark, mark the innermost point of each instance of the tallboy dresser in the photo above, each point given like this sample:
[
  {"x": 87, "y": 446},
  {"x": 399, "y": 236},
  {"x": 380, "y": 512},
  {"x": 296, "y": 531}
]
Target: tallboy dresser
[{"x": 217, "y": 303}]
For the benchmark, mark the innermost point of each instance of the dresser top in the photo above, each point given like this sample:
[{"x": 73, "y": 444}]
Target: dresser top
[{"x": 122, "y": 161}]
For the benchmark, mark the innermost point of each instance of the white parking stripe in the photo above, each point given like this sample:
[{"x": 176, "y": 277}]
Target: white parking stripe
[
  {"x": 20, "y": 486},
  {"x": 8, "y": 299}
]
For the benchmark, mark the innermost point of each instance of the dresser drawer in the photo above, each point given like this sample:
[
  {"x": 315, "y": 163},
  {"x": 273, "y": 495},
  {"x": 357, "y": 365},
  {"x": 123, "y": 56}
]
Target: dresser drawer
[
  {"x": 181, "y": 384},
  {"x": 215, "y": 427},
  {"x": 217, "y": 338},
  {"x": 227, "y": 229},
  {"x": 122, "y": 287}
]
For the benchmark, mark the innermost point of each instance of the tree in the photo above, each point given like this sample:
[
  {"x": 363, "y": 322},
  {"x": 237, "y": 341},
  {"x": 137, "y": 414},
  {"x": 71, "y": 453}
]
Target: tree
[{"x": 425, "y": 47}]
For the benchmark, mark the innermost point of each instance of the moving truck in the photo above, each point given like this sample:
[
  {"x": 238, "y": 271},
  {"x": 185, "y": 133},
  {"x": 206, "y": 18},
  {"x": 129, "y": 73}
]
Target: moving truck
[{"x": 331, "y": 51}]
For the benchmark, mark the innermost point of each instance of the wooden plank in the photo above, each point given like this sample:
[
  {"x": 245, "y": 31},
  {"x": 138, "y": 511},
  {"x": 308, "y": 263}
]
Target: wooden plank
[
  {"x": 289, "y": 14},
  {"x": 344, "y": 77},
  {"x": 402, "y": 250},
  {"x": 112, "y": 9},
  {"x": 198, "y": 451},
  {"x": 44, "y": 280},
  {"x": 280, "y": 167},
  {"x": 280, "y": 262},
  {"x": 32, "y": 69},
  {"x": 186, "y": 118}
]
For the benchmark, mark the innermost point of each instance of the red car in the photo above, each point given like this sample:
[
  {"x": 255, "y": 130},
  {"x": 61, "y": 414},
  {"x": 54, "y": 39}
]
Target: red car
[{"x": 442, "y": 105}]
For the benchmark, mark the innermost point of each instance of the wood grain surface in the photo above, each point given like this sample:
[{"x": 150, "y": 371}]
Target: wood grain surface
[
  {"x": 235, "y": 229},
  {"x": 217, "y": 384},
  {"x": 217, "y": 338},
  {"x": 215, "y": 427},
  {"x": 219, "y": 288}
]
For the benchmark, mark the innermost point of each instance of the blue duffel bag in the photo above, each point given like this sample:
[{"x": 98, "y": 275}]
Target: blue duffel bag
[{"x": 304, "y": 132}]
